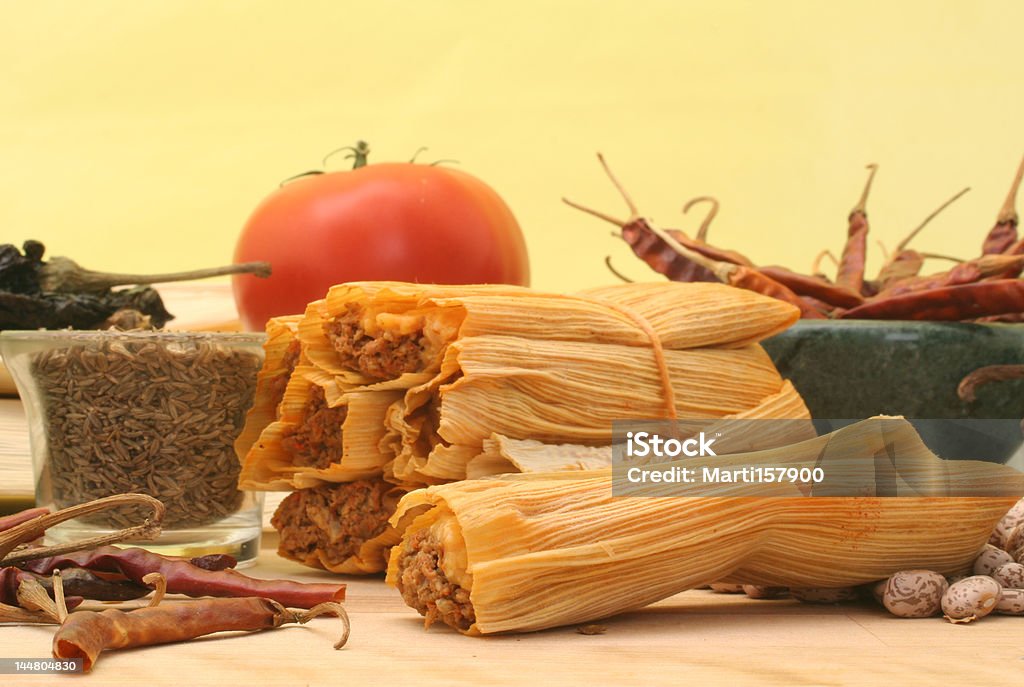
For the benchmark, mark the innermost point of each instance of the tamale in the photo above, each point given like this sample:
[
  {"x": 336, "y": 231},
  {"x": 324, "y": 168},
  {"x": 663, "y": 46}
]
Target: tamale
[
  {"x": 564, "y": 392},
  {"x": 320, "y": 436},
  {"x": 281, "y": 354},
  {"x": 368, "y": 332},
  {"x": 528, "y": 552}
]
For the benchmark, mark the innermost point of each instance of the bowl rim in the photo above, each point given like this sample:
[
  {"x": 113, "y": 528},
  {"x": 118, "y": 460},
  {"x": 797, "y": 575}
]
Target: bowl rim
[{"x": 89, "y": 335}]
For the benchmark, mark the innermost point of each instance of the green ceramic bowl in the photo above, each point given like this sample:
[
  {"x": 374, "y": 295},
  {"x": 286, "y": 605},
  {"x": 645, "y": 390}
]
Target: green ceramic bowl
[{"x": 856, "y": 369}]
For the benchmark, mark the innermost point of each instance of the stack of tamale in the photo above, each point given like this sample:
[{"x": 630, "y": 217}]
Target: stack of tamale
[{"x": 395, "y": 386}]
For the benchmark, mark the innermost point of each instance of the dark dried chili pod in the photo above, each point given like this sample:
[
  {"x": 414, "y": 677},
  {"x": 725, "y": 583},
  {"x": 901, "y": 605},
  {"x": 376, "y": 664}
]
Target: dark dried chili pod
[
  {"x": 948, "y": 303},
  {"x": 184, "y": 578}
]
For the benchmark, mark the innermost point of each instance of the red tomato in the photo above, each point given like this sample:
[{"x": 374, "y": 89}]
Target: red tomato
[{"x": 389, "y": 221}]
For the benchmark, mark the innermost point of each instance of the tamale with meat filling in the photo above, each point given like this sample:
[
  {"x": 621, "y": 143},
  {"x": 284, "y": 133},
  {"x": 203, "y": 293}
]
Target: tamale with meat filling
[
  {"x": 534, "y": 551},
  {"x": 369, "y": 332},
  {"x": 320, "y": 436},
  {"x": 563, "y": 392}
]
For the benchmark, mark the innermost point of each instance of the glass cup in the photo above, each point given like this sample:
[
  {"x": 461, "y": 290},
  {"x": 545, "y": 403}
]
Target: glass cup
[{"x": 142, "y": 412}]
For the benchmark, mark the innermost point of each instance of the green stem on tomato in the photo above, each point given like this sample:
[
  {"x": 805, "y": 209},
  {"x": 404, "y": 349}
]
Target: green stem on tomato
[{"x": 358, "y": 154}]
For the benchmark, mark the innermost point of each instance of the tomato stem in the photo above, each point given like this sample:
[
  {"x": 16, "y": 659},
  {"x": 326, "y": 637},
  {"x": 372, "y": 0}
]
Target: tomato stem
[{"x": 357, "y": 153}]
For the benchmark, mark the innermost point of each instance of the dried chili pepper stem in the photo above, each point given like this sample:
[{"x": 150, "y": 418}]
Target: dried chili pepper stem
[
  {"x": 634, "y": 213},
  {"x": 32, "y": 529},
  {"x": 33, "y": 597},
  {"x": 611, "y": 268},
  {"x": 1008, "y": 213},
  {"x": 64, "y": 275},
  {"x": 941, "y": 256},
  {"x": 329, "y": 607},
  {"x": 967, "y": 390},
  {"x": 58, "y": 596},
  {"x": 1002, "y": 237},
  {"x": 702, "y": 233},
  {"x": 159, "y": 583},
  {"x": 13, "y": 614},
  {"x": 816, "y": 265},
  {"x": 917, "y": 230},
  {"x": 861, "y": 206},
  {"x": 596, "y": 213}
]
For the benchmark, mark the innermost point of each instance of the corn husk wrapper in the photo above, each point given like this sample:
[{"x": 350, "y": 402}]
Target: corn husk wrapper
[
  {"x": 678, "y": 315},
  {"x": 501, "y": 454},
  {"x": 268, "y": 466},
  {"x": 701, "y": 314},
  {"x": 542, "y": 550},
  {"x": 282, "y": 335},
  {"x": 563, "y": 392}
]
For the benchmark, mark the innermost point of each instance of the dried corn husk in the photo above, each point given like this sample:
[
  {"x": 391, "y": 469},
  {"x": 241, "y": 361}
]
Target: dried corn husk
[
  {"x": 537, "y": 551},
  {"x": 677, "y": 315},
  {"x": 280, "y": 355},
  {"x": 502, "y": 454},
  {"x": 564, "y": 392},
  {"x": 270, "y": 466},
  {"x": 703, "y": 315}
]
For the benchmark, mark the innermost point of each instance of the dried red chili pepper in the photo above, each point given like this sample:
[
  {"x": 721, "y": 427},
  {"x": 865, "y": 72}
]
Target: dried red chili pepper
[
  {"x": 86, "y": 634},
  {"x": 816, "y": 287},
  {"x": 78, "y": 585},
  {"x": 905, "y": 264},
  {"x": 948, "y": 303},
  {"x": 11, "y": 579},
  {"x": 994, "y": 265},
  {"x": 1003, "y": 236},
  {"x": 185, "y": 578},
  {"x": 850, "y": 274},
  {"x": 660, "y": 258},
  {"x": 9, "y": 521}
]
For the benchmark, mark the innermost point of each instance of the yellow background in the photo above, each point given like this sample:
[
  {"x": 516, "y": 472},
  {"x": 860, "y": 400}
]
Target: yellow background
[{"x": 139, "y": 135}]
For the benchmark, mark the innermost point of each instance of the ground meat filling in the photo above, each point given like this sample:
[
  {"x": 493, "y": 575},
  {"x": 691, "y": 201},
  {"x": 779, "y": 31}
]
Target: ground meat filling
[
  {"x": 316, "y": 442},
  {"x": 425, "y": 587},
  {"x": 332, "y": 520},
  {"x": 277, "y": 385},
  {"x": 386, "y": 357}
]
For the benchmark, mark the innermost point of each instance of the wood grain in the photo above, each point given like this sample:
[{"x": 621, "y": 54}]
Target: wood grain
[{"x": 697, "y": 637}]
